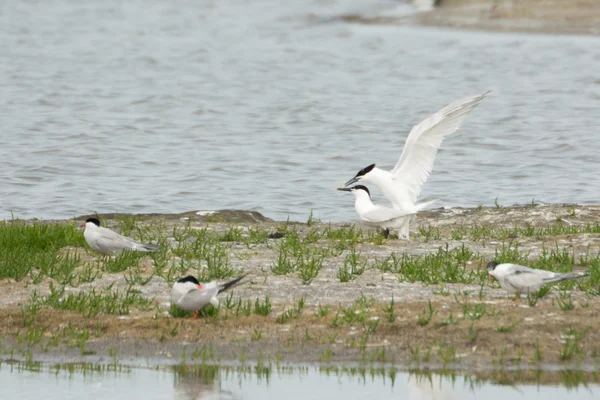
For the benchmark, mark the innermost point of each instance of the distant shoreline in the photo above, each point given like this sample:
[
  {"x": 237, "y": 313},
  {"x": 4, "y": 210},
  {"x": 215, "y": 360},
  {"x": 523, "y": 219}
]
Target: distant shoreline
[{"x": 535, "y": 16}]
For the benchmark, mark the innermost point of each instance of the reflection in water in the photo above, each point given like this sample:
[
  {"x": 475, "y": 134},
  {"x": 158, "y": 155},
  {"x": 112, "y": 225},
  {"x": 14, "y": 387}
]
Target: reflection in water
[{"x": 203, "y": 382}]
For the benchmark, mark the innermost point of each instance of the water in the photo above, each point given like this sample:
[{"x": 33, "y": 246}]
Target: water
[
  {"x": 307, "y": 383},
  {"x": 154, "y": 106}
]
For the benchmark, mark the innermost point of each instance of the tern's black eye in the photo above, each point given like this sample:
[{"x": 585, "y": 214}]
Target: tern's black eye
[
  {"x": 94, "y": 221},
  {"x": 366, "y": 170},
  {"x": 189, "y": 278}
]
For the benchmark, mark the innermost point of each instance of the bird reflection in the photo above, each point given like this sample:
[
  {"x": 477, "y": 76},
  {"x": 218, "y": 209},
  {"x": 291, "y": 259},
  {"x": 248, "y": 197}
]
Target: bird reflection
[{"x": 200, "y": 383}]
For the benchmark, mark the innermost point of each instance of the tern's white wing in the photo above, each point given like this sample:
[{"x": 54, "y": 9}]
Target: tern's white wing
[
  {"x": 520, "y": 278},
  {"x": 416, "y": 162},
  {"x": 382, "y": 214},
  {"x": 194, "y": 299},
  {"x": 111, "y": 242}
]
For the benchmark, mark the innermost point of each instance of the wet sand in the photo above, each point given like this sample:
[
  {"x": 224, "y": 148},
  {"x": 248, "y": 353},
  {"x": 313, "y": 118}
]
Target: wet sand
[{"x": 535, "y": 16}]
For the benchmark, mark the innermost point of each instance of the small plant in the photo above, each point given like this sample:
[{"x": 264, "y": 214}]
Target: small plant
[
  {"x": 177, "y": 312},
  {"x": 326, "y": 356},
  {"x": 449, "y": 321},
  {"x": 243, "y": 308},
  {"x": 311, "y": 219},
  {"x": 447, "y": 354},
  {"x": 497, "y": 204},
  {"x": 283, "y": 265},
  {"x": 371, "y": 326},
  {"x": 509, "y": 327},
  {"x": 309, "y": 267},
  {"x": 122, "y": 262},
  {"x": 256, "y": 335},
  {"x": 322, "y": 311},
  {"x": 565, "y": 301},
  {"x": 472, "y": 333},
  {"x": 429, "y": 233},
  {"x": 473, "y": 311},
  {"x": 534, "y": 297},
  {"x": 389, "y": 311},
  {"x": 426, "y": 315},
  {"x": 262, "y": 308},
  {"x": 344, "y": 274},
  {"x": 414, "y": 353},
  {"x": 539, "y": 354},
  {"x": 293, "y": 313}
]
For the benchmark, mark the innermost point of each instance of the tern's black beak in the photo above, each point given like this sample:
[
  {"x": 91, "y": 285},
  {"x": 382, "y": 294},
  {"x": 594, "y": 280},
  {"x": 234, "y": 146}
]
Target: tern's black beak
[
  {"x": 345, "y": 189},
  {"x": 350, "y": 182}
]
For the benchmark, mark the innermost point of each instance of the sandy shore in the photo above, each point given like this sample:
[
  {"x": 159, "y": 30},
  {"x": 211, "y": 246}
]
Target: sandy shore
[
  {"x": 465, "y": 322},
  {"x": 537, "y": 16}
]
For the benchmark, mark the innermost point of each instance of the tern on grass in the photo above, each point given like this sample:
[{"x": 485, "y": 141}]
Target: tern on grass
[
  {"x": 518, "y": 279},
  {"x": 108, "y": 242},
  {"x": 376, "y": 215},
  {"x": 402, "y": 185},
  {"x": 191, "y": 295}
]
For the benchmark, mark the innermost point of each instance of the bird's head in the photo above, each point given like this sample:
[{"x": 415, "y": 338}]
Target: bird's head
[
  {"x": 491, "y": 268},
  {"x": 189, "y": 283},
  {"x": 362, "y": 175},
  {"x": 91, "y": 223},
  {"x": 357, "y": 190}
]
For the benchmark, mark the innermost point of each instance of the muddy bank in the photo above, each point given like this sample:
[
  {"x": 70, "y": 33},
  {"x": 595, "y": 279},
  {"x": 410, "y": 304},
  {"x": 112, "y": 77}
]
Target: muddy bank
[
  {"x": 423, "y": 302},
  {"x": 538, "y": 16}
]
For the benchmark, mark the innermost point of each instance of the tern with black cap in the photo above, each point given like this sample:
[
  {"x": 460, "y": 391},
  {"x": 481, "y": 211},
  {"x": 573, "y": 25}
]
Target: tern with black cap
[
  {"x": 518, "y": 279},
  {"x": 191, "y": 295},
  {"x": 402, "y": 185},
  {"x": 378, "y": 216},
  {"x": 109, "y": 242}
]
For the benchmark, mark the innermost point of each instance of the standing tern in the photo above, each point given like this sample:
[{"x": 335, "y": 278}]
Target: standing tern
[
  {"x": 518, "y": 279},
  {"x": 191, "y": 295},
  {"x": 376, "y": 215},
  {"x": 402, "y": 185},
  {"x": 108, "y": 242}
]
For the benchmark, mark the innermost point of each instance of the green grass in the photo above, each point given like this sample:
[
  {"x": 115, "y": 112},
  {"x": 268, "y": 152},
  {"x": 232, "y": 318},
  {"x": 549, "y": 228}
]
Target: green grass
[
  {"x": 426, "y": 315},
  {"x": 444, "y": 266},
  {"x": 263, "y": 308},
  {"x": 92, "y": 303},
  {"x": 33, "y": 246}
]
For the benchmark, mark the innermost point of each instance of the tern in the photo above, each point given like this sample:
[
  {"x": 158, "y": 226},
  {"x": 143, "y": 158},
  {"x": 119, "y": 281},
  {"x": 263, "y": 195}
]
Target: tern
[
  {"x": 191, "y": 295},
  {"x": 108, "y": 242},
  {"x": 518, "y": 279},
  {"x": 376, "y": 215},
  {"x": 402, "y": 185}
]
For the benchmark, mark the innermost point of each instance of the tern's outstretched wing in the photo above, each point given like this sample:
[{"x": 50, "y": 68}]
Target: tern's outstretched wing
[{"x": 416, "y": 162}]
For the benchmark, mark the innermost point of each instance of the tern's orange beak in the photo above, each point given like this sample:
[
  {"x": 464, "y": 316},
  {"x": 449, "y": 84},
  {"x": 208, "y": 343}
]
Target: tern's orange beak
[{"x": 200, "y": 286}]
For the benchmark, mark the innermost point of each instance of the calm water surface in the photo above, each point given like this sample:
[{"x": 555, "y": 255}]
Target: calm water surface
[
  {"x": 154, "y": 106},
  {"x": 310, "y": 383}
]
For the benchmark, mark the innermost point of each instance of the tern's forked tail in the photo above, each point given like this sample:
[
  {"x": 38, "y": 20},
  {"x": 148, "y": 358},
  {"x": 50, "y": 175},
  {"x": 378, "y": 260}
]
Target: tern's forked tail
[
  {"x": 231, "y": 283},
  {"x": 569, "y": 276}
]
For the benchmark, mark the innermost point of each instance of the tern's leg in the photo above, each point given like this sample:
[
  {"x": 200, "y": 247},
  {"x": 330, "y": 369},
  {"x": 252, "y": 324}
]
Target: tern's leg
[
  {"x": 196, "y": 314},
  {"x": 386, "y": 233}
]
